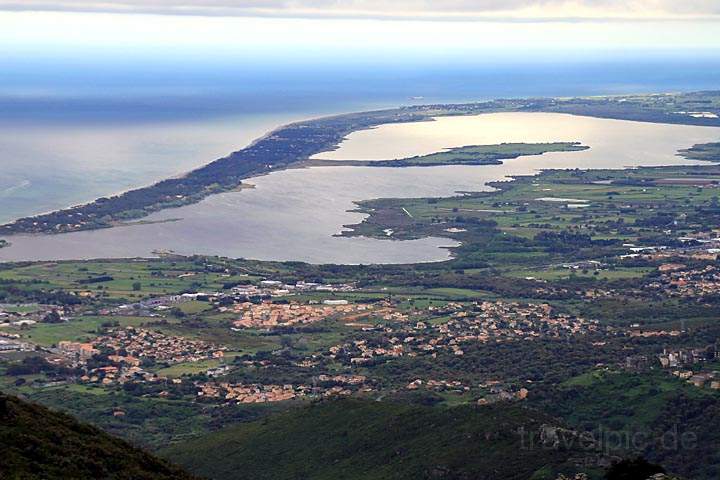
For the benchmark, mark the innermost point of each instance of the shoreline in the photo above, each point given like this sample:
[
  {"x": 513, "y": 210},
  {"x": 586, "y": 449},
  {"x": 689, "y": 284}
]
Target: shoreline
[
  {"x": 178, "y": 175},
  {"x": 294, "y": 144}
]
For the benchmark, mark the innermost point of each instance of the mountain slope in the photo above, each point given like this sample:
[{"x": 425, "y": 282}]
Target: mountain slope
[
  {"x": 38, "y": 443},
  {"x": 352, "y": 439}
]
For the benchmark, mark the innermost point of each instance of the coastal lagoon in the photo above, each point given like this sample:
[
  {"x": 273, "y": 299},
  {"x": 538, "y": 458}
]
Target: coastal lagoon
[
  {"x": 613, "y": 143},
  {"x": 296, "y": 214}
]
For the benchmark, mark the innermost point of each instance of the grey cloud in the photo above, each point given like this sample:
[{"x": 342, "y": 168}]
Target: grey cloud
[{"x": 400, "y": 9}]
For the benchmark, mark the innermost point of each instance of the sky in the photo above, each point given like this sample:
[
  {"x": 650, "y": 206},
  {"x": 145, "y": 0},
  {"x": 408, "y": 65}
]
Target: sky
[
  {"x": 48, "y": 47},
  {"x": 377, "y": 26},
  {"x": 415, "y": 9}
]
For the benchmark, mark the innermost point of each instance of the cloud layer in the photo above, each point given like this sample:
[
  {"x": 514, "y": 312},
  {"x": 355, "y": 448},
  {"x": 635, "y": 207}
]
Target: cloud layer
[{"x": 501, "y": 10}]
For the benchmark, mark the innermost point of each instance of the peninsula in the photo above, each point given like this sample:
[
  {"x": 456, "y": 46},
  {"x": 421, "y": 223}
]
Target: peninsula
[
  {"x": 293, "y": 144},
  {"x": 467, "y": 155}
]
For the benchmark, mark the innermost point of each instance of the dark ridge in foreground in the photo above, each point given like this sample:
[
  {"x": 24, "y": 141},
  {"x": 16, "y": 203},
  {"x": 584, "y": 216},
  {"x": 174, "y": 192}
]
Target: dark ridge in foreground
[
  {"x": 295, "y": 143},
  {"x": 38, "y": 443}
]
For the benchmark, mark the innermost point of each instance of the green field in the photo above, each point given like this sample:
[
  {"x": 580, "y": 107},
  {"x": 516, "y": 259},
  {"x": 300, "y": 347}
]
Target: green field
[
  {"x": 78, "y": 329},
  {"x": 116, "y": 279}
]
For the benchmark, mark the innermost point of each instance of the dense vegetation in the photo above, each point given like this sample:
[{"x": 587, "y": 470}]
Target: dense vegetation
[
  {"x": 706, "y": 151},
  {"x": 39, "y": 443},
  {"x": 669, "y": 422},
  {"x": 355, "y": 439}
]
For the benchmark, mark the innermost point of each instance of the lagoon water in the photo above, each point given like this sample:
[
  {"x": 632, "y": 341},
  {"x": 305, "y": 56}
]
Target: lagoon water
[
  {"x": 614, "y": 143},
  {"x": 295, "y": 214}
]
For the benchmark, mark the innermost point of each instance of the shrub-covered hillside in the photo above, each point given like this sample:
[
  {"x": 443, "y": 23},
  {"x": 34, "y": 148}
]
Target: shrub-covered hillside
[
  {"x": 353, "y": 439},
  {"x": 38, "y": 443}
]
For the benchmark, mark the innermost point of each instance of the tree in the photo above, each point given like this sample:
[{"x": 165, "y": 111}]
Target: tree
[
  {"x": 632, "y": 469},
  {"x": 137, "y": 286},
  {"x": 52, "y": 317}
]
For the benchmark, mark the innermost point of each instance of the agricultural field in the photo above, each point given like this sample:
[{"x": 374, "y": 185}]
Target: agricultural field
[{"x": 120, "y": 279}]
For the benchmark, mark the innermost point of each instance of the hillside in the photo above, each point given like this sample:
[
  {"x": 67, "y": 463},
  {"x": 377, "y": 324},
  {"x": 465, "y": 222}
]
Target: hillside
[
  {"x": 352, "y": 439},
  {"x": 40, "y": 443},
  {"x": 673, "y": 423}
]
